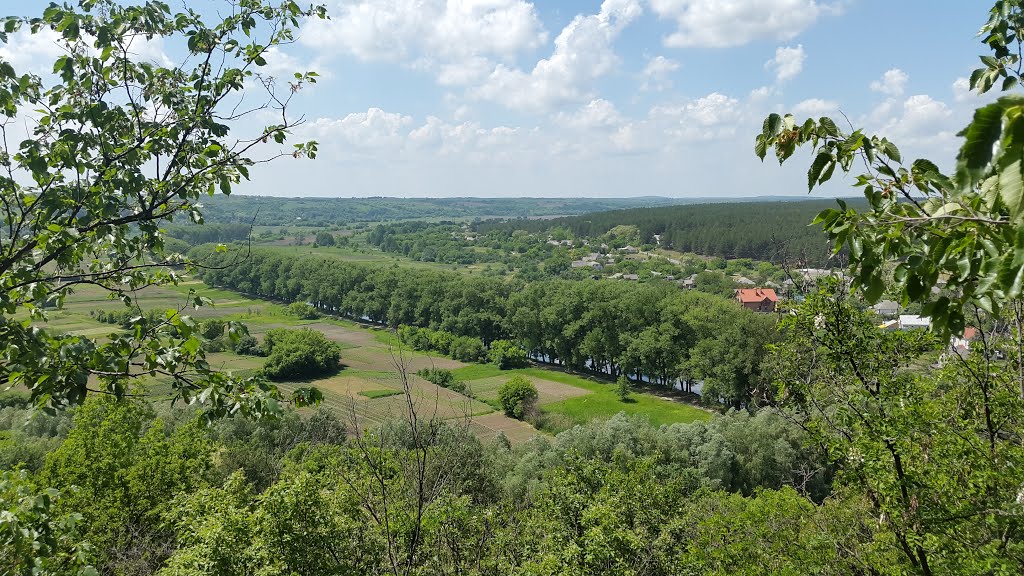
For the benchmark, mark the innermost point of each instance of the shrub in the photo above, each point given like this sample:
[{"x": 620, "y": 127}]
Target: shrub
[
  {"x": 324, "y": 239},
  {"x": 299, "y": 354},
  {"x": 438, "y": 376},
  {"x": 302, "y": 310},
  {"x": 248, "y": 345},
  {"x": 518, "y": 396},
  {"x": 624, "y": 389},
  {"x": 467, "y": 349},
  {"x": 506, "y": 354}
]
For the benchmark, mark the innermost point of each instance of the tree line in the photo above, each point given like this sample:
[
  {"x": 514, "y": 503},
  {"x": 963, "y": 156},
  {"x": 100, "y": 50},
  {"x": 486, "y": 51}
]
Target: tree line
[
  {"x": 650, "y": 331},
  {"x": 312, "y": 211},
  {"x": 769, "y": 231}
]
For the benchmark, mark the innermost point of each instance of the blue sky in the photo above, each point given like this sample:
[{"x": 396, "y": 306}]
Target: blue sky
[{"x": 620, "y": 98}]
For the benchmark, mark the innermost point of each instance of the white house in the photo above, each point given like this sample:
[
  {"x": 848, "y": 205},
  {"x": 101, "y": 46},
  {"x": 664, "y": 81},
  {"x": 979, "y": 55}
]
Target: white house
[{"x": 911, "y": 321}]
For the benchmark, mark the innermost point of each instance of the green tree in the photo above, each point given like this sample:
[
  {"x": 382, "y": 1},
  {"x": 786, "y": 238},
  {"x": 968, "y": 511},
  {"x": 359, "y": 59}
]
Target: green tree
[
  {"x": 36, "y": 539},
  {"x": 324, "y": 239},
  {"x": 624, "y": 389},
  {"x": 899, "y": 428},
  {"x": 517, "y": 396},
  {"x": 301, "y": 353},
  {"x": 121, "y": 146},
  {"x": 506, "y": 354},
  {"x": 126, "y": 468}
]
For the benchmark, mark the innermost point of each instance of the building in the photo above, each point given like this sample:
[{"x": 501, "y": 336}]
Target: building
[
  {"x": 913, "y": 321},
  {"x": 962, "y": 344},
  {"x": 886, "y": 309},
  {"x": 586, "y": 264},
  {"x": 757, "y": 299}
]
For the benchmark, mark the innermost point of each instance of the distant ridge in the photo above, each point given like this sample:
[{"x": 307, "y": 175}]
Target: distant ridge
[{"x": 319, "y": 211}]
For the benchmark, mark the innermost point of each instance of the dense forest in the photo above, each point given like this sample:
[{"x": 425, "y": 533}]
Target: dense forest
[
  {"x": 277, "y": 211},
  {"x": 650, "y": 330},
  {"x": 157, "y": 492},
  {"x": 770, "y": 231}
]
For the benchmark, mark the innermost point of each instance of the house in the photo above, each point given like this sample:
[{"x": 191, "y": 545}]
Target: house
[
  {"x": 757, "y": 299},
  {"x": 628, "y": 250},
  {"x": 913, "y": 321},
  {"x": 586, "y": 264},
  {"x": 962, "y": 344},
  {"x": 886, "y": 309},
  {"x": 743, "y": 280},
  {"x": 689, "y": 283},
  {"x": 630, "y": 277}
]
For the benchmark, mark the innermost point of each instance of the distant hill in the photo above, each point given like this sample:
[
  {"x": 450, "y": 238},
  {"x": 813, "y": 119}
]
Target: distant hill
[
  {"x": 772, "y": 231},
  {"x": 334, "y": 211}
]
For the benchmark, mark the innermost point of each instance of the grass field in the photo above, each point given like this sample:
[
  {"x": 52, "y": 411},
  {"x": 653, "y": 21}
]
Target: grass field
[
  {"x": 368, "y": 389},
  {"x": 591, "y": 398}
]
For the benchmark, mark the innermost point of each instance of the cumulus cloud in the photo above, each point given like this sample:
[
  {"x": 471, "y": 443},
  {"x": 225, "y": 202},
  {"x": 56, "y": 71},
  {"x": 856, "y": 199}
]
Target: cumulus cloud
[
  {"x": 595, "y": 114},
  {"x": 583, "y": 52},
  {"x": 373, "y": 129},
  {"x": 456, "y": 38},
  {"x": 32, "y": 52},
  {"x": 815, "y": 107},
  {"x": 891, "y": 83},
  {"x": 787, "y": 63},
  {"x": 712, "y": 117},
  {"x": 717, "y": 24},
  {"x": 656, "y": 73}
]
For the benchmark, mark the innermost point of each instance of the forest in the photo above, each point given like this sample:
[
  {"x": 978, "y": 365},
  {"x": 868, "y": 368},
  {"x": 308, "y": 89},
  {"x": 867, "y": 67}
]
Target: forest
[
  {"x": 145, "y": 431},
  {"x": 277, "y": 211},
  {"x": 776, "y": 232}
]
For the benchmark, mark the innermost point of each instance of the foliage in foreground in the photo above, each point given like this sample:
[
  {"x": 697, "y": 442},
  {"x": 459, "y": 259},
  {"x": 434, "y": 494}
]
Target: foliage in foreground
[{"x": 119, "y": 146}]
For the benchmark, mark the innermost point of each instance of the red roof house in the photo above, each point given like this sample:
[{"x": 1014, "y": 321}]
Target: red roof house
[{"x": 757, "y": 299}]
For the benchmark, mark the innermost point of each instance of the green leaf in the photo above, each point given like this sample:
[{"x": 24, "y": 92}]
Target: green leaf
[
  {"x": 980, "y": 137},
  {"x": 820, "y": 161},
  {"x": 1011, "y": 187}
]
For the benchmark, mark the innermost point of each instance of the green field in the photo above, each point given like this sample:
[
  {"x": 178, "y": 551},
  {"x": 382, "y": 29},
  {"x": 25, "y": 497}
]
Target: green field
[
  {"x": 369, "y": 389},
  {"x": 599, "y": 401}
]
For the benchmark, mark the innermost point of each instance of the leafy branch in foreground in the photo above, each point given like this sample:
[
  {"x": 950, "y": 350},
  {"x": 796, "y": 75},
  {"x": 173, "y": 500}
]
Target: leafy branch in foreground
[
  {"x": 964, "y": 229},
  {"x": 117, "y": 146}
]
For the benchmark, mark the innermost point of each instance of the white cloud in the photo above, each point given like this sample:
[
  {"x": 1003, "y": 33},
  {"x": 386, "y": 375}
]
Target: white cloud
[
  {"x": 815, "y": 107},
  {"x": 29, "y": 52},
  {"x": 596, "y": 114},
  {"x": 583, "y": 52},
  {"x": 962, "y": 90},
  {"x": 787, "y": 63},
  {"x": 718, "y": 23},
  {"x": 891, "y": 83},
  {"x": 712, "y": 117},
  {"x": 656, "y": 73},
  {"x": 456, "y": 38},
  {"x": 372, "y": 129}
]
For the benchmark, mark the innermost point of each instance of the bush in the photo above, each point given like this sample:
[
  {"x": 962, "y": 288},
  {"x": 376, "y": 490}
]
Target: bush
[
  {"x": 324, "y": 239},
  {"x": 299, "y": 354},
  {"x": 467, "y": 349},
  {"x": 248, "y": 345},
  {"x": 302, "y": 310},
  {"x": 624, "y": 389},
  {"x": 518, "y": 396},
  {"x": 443, "y": 378},
  {"x": 437, "y": 376},
  {"x": 506, "y": 354}
]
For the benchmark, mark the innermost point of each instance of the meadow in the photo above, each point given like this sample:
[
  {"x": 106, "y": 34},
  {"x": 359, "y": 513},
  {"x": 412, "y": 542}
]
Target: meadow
[{"x": 375, "y": 371}]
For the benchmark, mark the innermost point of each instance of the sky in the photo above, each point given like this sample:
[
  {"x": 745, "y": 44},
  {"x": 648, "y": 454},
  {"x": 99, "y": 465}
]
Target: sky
[{"x": 434, "y": 98}]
